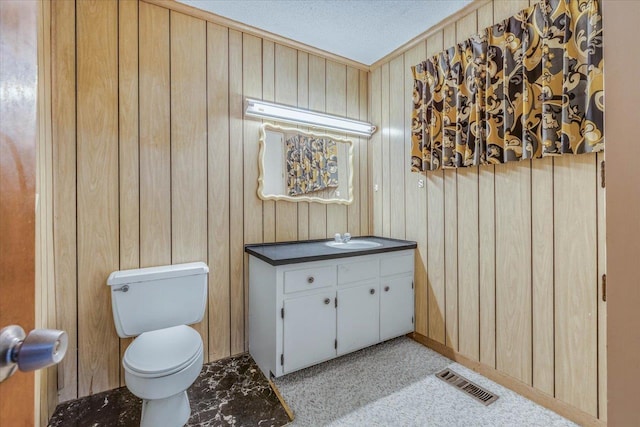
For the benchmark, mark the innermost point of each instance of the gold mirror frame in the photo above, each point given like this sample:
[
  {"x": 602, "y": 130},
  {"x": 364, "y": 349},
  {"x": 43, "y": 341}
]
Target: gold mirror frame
[{"x": 262, "y": 167}]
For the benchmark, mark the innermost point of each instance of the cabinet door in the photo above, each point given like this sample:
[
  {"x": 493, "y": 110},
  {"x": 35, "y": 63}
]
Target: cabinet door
[
  {"x": 358, "y": 317},
  {"x": 309, "y": 330},
  {"x": 396, "y": 307}
]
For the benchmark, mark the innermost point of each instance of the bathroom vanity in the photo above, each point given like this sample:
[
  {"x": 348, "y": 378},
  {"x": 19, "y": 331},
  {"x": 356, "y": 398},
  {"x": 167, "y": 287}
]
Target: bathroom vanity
[{"x": 312, "y": 301}]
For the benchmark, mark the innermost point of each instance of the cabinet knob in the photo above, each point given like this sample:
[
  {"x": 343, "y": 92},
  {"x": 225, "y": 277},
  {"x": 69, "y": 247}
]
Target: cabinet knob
[
  {"x": 386, "y": 289},
  {"x": 372, "y": 291},
  {"x": 327, "y": 300},
  {"x": 310, "y": 279}
]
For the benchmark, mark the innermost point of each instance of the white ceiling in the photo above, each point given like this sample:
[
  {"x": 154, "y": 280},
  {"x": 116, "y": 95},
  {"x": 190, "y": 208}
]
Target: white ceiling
[{"x": 361, "y": 30}]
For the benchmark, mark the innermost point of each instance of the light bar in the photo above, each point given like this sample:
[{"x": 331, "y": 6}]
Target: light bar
[{"x": 285, "y": 113}]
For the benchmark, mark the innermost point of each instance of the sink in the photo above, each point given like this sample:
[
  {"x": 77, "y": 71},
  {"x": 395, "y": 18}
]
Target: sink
[{"x": 354, "y": 244}]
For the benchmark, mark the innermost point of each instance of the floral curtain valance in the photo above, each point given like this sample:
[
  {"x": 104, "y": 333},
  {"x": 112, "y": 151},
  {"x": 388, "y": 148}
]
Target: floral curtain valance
[
  {"x": 528, "y": 87},
  {"x": 311, "y": 163}
]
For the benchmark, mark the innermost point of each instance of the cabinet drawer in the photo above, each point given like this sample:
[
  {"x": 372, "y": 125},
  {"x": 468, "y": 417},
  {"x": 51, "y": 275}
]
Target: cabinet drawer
[
  {"x": 310, "y": 278},
  {"x": 393, "y": 265},
  {"x": 356, "y": 271}
]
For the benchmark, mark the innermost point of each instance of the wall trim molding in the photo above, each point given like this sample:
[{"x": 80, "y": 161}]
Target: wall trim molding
[
  {"x": 248, "y": 29},
  {"x": 511, "y": 383},
  {"x": 471, "y": 7}
]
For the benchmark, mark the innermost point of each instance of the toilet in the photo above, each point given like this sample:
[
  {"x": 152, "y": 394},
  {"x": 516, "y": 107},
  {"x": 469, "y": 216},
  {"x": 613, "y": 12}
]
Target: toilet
[{"x": 155, "y": 305}]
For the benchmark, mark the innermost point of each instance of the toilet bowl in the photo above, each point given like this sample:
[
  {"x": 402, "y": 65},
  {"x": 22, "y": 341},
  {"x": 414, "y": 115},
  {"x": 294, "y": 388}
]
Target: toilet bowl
[
  {"x": 156, "y": 305},
  {"x": 159, "y": 367}
]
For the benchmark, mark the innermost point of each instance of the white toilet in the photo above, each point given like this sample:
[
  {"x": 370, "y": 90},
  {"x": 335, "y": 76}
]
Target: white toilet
[{"x": 155, "y": 304}]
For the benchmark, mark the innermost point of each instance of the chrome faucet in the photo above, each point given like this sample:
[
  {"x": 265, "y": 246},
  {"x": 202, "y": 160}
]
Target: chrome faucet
[{"x": 344, "y": 238}]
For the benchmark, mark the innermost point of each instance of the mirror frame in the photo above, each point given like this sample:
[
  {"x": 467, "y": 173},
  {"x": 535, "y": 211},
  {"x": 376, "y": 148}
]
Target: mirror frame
[{"x": 263, "y": 137}]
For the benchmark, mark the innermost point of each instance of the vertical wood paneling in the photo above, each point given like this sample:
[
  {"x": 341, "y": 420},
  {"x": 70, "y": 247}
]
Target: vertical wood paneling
[
  {"x": 468, "y": 263},
  {"x": 189, "y": 146},
  {"x": 385, "y": 156},
  {"x": 268, "y": 94},
  {"x": 353, "y": 111},
  {"x": 576, "y": 316},
  {"x": 155, "y": 148},
  {"x": 415, "y": 198},
  {"x": 397, "y": 163},
  {"x": 129, "y": 159},
  {"x": 63, "y": 129},
  {"x": 317, "y": 85},
  {"x": 504, "y": 9},
  {"x": 435, "y": 232},
  {"x": 303, "y": 102},
  {"x": 487, "y": 261},
  {"x": 286, "y": 92},
  {"x": 435, "y": 255},
  {"x": 218, "y": 194},
  {"x": 236, "y": 198},
  {"x": 128, "y": 131},
  {"x": 251, "y": 87},
  {"x": 375, "y": 148},
  {"x": 166, "y": 169},
  {"x": 451, "y": 256},
  {"x": 97, "y": 186},
  {"x": 365, "y": 163},
  {"x": 542, "y": 273},
  {"x": 513, "y": 269},
  {"x": 336, "y": 90},
  {"x": 602, "y": 305}
]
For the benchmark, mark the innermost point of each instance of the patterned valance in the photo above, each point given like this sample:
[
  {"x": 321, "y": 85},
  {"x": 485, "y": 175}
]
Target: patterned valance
[
  {"x": 528, "y": 87},
  {"x": 311, "y": 163}
]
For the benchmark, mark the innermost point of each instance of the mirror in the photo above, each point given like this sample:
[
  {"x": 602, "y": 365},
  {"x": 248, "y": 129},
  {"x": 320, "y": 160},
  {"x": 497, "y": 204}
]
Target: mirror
[{"x": 301, "y": 166}]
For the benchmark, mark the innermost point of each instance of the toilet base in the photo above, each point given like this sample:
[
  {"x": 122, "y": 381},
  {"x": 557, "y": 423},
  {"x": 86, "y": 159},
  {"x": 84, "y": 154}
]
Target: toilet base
[{"x": 173, "y": 411}]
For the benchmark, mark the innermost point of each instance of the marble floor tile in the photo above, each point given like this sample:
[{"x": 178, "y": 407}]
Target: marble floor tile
[{"x": 229, "y": 392}]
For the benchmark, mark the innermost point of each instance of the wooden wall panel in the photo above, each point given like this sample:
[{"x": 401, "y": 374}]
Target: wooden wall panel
[
  {"x": 268, "y": 94},
  {"x": 63, "y": 130},
  {"x": 286, "y": 92},
  {"x": 155, "y": 136},
  {"x": 129, "y": 158},
  {"x": 513, "y": 269},
  {"x": 397, "y": 159},
  {"x": 415, "y": 199},
  {"x": 189, "y": 146},
  {"x": 375, "y": 148},
  {"x": 97, "y": 186},
  {"x": 303, "y": 102},
  {"x": 468, "y": 264},
  {"x": 364, "y": 189},
  {"x": 487, "y": 261},
  {"x": 353, "y": 111},
  {"x": 576, "y": 311},
  {"x": 336, "y": 99},
  {"x": 236, "y": 198},
  {"x": 450, "y": 193},
  {"x": 542, "y": 258},
  {"x": 435, "y": 255},
  {"x": 317, "y": 99},
  {"x": 167, "y": 164},
  {"x": 385, "y": 131},
  {"x": 602, "y": 304},
  {"x": 218, "y": 195}
]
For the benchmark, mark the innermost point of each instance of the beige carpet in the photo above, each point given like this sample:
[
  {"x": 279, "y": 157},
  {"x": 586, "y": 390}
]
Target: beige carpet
[{"x": 393, "y": 384}]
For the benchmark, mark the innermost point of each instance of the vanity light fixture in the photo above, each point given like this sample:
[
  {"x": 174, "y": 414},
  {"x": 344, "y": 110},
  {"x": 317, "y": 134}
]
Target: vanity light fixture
[{"x": 285, "y": 113}]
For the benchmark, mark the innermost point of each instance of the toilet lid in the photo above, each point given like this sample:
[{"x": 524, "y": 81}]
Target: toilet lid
[{"x": 164, "y": 351}]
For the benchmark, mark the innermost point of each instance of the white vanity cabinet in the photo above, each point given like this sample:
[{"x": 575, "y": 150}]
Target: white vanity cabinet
[{"x": 305, "y": 313}]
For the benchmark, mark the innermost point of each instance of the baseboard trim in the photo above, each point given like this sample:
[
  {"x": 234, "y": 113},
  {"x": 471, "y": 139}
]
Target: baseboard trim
[{"x": 543, "y": 399}]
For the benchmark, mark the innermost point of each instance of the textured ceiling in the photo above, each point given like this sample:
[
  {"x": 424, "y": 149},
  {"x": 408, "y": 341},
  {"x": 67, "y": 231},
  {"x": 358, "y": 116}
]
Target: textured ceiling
[{"x": 361, "y": 30}]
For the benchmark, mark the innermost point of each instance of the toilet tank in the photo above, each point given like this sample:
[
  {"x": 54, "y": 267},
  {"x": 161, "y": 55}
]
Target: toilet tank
[{"x": 147, "y": 299}]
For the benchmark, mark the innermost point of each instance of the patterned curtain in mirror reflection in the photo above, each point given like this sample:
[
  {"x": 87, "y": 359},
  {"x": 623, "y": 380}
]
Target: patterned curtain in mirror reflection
[
  {"x": 311, "y": 163},
  {"x": 528, "y": 87}
]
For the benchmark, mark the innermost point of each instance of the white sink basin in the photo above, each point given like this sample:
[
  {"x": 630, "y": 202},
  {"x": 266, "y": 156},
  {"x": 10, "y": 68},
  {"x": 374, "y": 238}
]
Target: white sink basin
[{"x": 354, "y": 244}]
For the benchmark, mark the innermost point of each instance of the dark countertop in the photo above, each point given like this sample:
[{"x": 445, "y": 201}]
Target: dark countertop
[{"x": 316, "y": 250}]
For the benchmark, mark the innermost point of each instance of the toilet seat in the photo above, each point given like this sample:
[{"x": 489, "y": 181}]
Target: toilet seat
[{"x": 162, "y": 352}]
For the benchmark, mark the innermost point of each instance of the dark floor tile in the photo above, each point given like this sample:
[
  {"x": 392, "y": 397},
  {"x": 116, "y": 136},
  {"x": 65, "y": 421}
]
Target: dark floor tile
[{"x": 232, "y": 392}]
